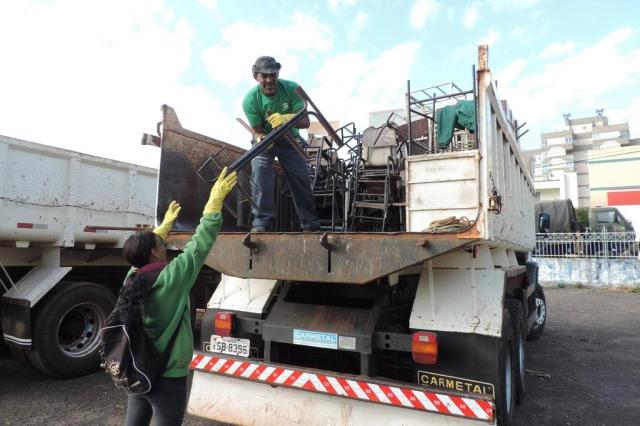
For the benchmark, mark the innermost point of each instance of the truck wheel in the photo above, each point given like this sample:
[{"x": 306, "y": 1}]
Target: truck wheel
[
  {"x": 519, "y": 337},
  {"x": 541, "y": 314},
  {"x": 65, "y": 334},
  {"x": 506, "y": 389}
]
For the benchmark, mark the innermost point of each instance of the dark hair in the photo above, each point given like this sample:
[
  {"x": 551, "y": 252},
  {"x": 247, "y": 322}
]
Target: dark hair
[
  {"x": 134, "y": 294},
  {"x": 137, "y": 248}
]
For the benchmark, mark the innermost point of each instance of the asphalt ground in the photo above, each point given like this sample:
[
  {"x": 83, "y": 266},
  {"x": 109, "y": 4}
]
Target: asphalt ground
[{"x": 586, "y": 365}]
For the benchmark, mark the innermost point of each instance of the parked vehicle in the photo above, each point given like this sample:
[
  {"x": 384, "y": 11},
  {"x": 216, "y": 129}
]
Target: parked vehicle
[
  {"x": 426, "y": 324},
  {"x": 608, "y": 219},
  {"x": 556, "y": 216},
  {"x": 63, "y": 219}
]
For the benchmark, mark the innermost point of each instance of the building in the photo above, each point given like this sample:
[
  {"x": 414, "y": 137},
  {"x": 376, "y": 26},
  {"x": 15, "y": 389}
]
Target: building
[
  {"x": 560, "y": 167},
  {"x": 614, "y": 179}
]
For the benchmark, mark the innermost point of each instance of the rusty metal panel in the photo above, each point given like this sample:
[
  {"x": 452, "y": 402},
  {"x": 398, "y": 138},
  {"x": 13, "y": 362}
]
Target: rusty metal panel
[
  {"x": 355, "y": 258},
  {"x": 183, "y": 153}
]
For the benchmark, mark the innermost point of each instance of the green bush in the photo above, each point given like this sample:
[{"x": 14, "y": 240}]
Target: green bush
[{"x": 582, "y": 214}]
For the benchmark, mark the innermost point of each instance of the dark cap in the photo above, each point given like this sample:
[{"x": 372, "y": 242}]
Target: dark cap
[{"x": 266, "y": 65}]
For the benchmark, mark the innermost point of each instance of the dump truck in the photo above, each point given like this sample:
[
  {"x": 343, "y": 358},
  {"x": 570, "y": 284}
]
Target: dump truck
[
  {"x": 60, "y": 269},
  {"x": 421, "y": 319}
]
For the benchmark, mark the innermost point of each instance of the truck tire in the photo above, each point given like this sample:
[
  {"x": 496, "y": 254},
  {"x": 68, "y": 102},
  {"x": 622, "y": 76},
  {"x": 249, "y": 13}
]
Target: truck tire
[
  {"x": 540, "y": 305},
  {"x": 65, "y": 332},
  {"x": 519, "y": 338},
  {"x": 506, "y": 389}
]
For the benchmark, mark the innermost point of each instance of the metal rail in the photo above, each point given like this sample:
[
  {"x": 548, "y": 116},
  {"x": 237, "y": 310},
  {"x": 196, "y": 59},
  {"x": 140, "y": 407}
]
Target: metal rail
[{"x": 598, "y": 245}]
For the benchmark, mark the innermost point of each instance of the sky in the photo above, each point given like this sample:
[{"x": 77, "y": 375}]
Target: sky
[{"x": 90, "y": 76}]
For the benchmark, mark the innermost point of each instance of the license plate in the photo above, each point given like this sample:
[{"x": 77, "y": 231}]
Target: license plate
[{"x": 229, "y": 346}]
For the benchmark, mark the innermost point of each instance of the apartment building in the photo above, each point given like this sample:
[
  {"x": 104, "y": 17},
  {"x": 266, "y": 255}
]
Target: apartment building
[{"x": 560, "y": 167}]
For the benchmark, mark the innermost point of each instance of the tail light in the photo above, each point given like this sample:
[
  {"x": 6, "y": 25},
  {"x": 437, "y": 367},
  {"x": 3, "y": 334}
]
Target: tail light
[
  {"x": 223, "y": 323},
  {"x": 424, "y": 347}
]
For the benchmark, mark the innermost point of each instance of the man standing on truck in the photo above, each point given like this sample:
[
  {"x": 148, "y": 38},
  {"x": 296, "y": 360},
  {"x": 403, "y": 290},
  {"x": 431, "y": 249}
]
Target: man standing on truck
[{"x": 269, "y": 105}]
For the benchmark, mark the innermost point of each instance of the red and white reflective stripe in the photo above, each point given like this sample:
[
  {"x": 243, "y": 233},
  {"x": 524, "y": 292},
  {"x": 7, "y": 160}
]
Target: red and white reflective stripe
[
  {"x": 354, "y": 389},
  {"x": 27, "y": 225}
]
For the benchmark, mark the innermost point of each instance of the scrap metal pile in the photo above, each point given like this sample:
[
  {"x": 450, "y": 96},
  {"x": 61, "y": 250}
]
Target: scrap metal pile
[{"x": 358, "y": 178}]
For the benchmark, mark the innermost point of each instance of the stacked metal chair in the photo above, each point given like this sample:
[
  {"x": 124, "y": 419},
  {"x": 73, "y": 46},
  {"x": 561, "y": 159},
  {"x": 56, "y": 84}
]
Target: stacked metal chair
[{"x": 377, "y": 201}]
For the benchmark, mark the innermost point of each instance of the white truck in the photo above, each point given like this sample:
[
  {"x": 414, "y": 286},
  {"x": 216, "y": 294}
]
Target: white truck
[
  {"x": 60, "y": 269},
  {"x": 423, "y": 325}
]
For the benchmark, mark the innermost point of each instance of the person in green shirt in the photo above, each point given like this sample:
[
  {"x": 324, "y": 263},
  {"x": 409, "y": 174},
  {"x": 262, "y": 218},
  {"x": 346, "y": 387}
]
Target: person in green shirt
[
  {"x": 269, "y": 105},
  {"x": 166, "y": 302}
]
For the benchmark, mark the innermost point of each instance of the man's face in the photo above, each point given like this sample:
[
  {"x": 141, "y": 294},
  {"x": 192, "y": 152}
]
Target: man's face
[{"x": 268, "y": 83}]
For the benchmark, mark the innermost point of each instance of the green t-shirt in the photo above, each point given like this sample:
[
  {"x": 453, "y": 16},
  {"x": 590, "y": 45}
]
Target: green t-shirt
[{"x": 257, "y": 106}]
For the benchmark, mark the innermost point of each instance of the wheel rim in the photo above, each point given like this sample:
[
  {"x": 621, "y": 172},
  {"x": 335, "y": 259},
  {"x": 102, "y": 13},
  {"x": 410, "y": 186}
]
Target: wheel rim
[
  {"x": 521, "y": 359},
  {"x": 542, "y": 311},
  {"x": 508, "y": 383},
  {"x": 78, "y": 330}
]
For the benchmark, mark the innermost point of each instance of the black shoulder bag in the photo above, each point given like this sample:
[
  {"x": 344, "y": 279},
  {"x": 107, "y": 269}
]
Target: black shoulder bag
[{"x": 128, "y": 354}]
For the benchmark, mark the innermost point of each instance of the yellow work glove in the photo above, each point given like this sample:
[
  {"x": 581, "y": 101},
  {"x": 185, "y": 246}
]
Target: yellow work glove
[
  {"x": 169, "y": 217},
  {"x": 276, "y": 119},
  {"x": 220, "y": 189}
]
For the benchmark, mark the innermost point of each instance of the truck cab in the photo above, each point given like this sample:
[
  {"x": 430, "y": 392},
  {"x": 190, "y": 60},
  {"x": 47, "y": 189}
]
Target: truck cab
[{"x": 608, "y": 219}]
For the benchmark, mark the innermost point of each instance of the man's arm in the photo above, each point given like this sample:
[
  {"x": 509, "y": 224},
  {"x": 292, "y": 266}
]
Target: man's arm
[{"x": 258, "y": 133}]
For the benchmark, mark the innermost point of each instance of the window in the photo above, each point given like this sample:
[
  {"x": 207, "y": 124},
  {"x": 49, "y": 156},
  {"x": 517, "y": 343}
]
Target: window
[{"x": 605, "y": 217}]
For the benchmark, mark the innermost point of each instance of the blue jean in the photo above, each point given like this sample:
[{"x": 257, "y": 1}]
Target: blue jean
[
  {"x": 296, "y": 171},
  {"x": 166, "y": 402}
]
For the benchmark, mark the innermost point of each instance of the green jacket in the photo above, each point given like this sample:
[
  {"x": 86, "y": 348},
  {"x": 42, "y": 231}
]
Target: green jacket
[{"x": 169, "y": 296}]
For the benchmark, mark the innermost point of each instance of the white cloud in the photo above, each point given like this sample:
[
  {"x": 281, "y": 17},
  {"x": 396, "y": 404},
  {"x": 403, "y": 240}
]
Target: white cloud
[
  {"x": 578, "y": 81},
  {"x": 348, "y": 93},
  {"x": 360, "y": 23},
  {"x": 211, "y": 5},
  {"x": 470, "y": 16},
  {"x": 491, "y": 38},
  {"x": 521, "y": 35},
  {"x": 91, "y": 76},
  {"x": 511, "y": 73},
  {"x": 238, "y": 49},
  {"x": 336, "y": 4},
  {"x": 451, "y": 14},
  {"x": 556, "y": 49},
  {"x": 499, "y": 5},
  {"x": 629, "y": 113},
  {"x": 423, "y": 11}
]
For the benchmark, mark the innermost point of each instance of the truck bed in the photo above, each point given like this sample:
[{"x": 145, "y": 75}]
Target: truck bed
[{"x": 50, "y": 196}]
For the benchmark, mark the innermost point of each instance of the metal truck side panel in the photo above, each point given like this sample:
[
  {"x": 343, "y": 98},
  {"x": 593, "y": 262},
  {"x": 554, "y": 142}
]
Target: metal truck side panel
[
  {"x": 506, "y": 187},
  {"x": 441, "y": 185},
  {"x": 36, "y": 283},
  {"x": 458, "y": 293},
  {"x": 48, "y": 196}
]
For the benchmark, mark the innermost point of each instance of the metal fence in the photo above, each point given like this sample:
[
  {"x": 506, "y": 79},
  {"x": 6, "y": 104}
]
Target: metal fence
[{"x": 602, "y": 245}]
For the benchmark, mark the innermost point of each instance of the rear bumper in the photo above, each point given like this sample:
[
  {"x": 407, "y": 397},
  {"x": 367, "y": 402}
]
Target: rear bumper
[{"x": 327, "y": 399}]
